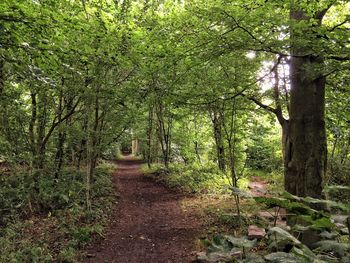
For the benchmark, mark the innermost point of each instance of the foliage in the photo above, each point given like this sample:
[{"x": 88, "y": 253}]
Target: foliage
[
  {"x": 65, "y": 227},
  {"x": 191, "y": 178},
  {"x": 227, "y": 249},
  {"x": 263, "y": 152},
  {"x": 284, "y": 247},
  {"x": 198, "y": 84}
]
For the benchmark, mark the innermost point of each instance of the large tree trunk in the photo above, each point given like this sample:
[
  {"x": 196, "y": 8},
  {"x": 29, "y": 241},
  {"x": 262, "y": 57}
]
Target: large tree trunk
[{"x": 306, "y": 148}]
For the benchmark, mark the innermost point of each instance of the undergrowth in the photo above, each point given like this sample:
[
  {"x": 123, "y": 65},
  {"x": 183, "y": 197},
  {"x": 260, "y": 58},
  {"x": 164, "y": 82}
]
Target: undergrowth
[
  {"x": 194, "y": 178},
  {"x": 51, "y": 223},
  {"x": 273, "y": 178},
  {"x": 219, "y": 215}
]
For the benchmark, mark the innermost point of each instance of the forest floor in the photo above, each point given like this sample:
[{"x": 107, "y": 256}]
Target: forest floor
[{"x": 147, "y": 224}]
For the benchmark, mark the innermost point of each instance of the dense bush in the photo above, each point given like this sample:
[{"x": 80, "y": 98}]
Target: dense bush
[
  {"x": 54, "y": 222},
  {"x": 193, "y": 178},
  {"x": 338, "y": 174},
  {"x": 264, "y": 149}
]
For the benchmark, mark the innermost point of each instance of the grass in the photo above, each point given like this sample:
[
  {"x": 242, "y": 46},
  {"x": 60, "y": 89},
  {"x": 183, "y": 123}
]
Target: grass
[{"x": 58, "y": 226}]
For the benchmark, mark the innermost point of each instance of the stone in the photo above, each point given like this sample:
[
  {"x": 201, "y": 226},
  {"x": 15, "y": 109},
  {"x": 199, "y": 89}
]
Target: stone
[
  {"x": 283, "y": 224},
  {"x": 266, "y": 215},
  {"x": 339, "y": 218},
  {"x": 344, "y": 231},
  {"x": 255, "y": 232},
  {"x": 339, "y": 225}
]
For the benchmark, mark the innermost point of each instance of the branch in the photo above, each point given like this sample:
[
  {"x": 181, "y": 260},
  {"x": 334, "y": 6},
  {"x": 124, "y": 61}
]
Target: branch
[
  {"x": 338, "y": 25},
  {"x": 8, "y": 18},
  {"x": 338, "y": 58},
  {"x": 260, "y": 104},
  {"x": 230, "y": 96},
  {"x": 116, "y": 138},
  {"x": 267, "y": 49},
  {"x": 56, "y": 123}
]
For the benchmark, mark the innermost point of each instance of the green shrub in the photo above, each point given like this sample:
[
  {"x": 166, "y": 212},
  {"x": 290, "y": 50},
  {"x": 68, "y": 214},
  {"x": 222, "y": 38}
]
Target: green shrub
[
  {"x": 191, "y": 178},
  {"x": 45, "y": 219},
  {"x": 338, "y": 173}
]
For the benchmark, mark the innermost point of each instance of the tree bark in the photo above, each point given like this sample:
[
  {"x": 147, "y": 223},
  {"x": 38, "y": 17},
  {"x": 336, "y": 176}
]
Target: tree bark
[
  {"x": 306, "y": 146},
  {"x": 196, "y": 150},
  {"x": 32, "y": 125},
  {"x": 41, "y": 130},
  {"x": 61, "y": 137},
  {"x": 216, "y": 119},
  {"x": 149, "y": 136},
  {"x": 164, "y": 132},
  {"x": 2, "y": 76}
]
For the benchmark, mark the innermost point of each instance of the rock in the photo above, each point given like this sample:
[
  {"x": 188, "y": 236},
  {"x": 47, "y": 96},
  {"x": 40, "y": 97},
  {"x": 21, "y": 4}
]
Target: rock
[
  {"x": 344, "y": 231},
  {"x": 282, "y": 213},
  {"x": 310, "y": 237},
  {"x": 266, "y": 215},
  {"x": 283, "y": 224},
  {"x": 258, "y": 188},
  {"x": 201, "y": 257},
  {"x": 255, "y": 232},
  {"x": 339, "y": 225},
  {"x": 339, "y": 218}
]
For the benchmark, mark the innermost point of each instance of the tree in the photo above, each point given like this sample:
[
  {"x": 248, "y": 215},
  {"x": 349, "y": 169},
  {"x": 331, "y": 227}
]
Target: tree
[
  {"x": 306, "y": 145},
  {"x": 309, "y": 43}
]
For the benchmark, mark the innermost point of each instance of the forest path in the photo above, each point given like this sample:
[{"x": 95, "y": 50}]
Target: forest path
[{"x": 147, "y": 224}]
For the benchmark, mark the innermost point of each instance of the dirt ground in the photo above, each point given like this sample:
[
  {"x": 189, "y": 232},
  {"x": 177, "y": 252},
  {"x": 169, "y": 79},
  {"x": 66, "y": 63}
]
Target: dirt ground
[{"x": 147, "y": 224}]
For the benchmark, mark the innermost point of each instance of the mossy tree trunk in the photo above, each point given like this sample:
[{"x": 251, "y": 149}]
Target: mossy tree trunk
[{"x": 306, "y": 145}]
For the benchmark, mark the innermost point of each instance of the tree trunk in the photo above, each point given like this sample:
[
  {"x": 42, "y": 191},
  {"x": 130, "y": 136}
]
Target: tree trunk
[
  {"x": 31, "y": 127},
  {"x": 61, "y": 138},
  {"x": 82, "y": 147},
  {"x": 164, "y": 133},
  {"x": 306, "y": 147},
  {"x": 217, "y": 127},
  {"x": 41, "y": 130},
  {"x": 2, "y": 76},
  {"x": 149, "y": 136},
  {"x": 345, "y": 152},
  {"x": 196, "y": 150}
]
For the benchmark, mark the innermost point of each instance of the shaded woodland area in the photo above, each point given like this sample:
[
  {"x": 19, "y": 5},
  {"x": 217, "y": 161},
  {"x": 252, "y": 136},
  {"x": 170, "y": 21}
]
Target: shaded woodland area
[{"x": 242, "y": 105}]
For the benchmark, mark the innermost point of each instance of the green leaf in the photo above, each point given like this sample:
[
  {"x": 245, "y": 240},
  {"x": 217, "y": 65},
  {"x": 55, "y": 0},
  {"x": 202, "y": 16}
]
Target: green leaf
[
  {"x": 329, "y": 235},
  {"x": 303, "y": 252},
  {"x": 283, "y": 235},
  {"x": 241, "y": 242},
  {"x": 331, "y": 246},
  {"x": 322, "y": 224},
  {"x": 282, "y": 257}
]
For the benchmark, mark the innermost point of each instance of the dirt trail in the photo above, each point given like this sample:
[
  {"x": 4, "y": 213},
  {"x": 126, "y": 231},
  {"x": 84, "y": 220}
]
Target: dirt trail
[{"x": 147, "y": 225}]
